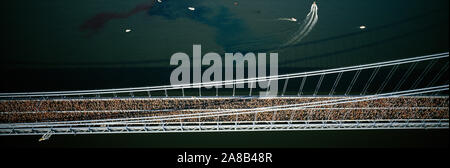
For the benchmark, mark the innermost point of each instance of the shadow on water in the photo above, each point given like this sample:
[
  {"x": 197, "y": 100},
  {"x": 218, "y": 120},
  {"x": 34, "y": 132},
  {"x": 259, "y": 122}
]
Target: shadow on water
[
  {"x": 375, "y": 29},
  {"x": 223, "y": 15}
]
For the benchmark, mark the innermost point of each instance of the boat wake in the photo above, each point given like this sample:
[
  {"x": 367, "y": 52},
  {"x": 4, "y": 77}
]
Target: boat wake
[{"x": 306, "y": 26}]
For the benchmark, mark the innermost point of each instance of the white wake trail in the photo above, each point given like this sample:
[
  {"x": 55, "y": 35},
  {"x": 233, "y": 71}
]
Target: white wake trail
[
  {"x": 306, "y": 29},
  {"x": 299, "y": 33},
  {"x": 307, "y": 26},
  {"x": 306, "y": 23}
]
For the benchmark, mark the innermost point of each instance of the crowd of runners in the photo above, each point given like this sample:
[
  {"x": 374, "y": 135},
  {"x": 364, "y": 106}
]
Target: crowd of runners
[{"x": 14, "y": 111}]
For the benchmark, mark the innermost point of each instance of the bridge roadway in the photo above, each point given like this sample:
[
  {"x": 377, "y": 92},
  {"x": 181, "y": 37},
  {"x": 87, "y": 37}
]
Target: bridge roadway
[
  {"x": 165, "y": 123},
  {"x": 178, "y": 127}
]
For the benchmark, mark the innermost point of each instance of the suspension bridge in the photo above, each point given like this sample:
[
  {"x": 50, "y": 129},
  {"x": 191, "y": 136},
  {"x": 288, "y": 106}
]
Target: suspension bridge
[{"x": 409, "y": 93}]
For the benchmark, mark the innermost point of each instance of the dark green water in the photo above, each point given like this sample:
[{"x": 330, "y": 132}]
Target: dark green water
[{"x": 82, "y": 44}]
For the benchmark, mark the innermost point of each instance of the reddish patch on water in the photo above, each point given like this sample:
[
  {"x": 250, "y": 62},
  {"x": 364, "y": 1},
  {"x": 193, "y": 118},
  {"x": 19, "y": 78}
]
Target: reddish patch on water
[{"x": 97, "y": 22}]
